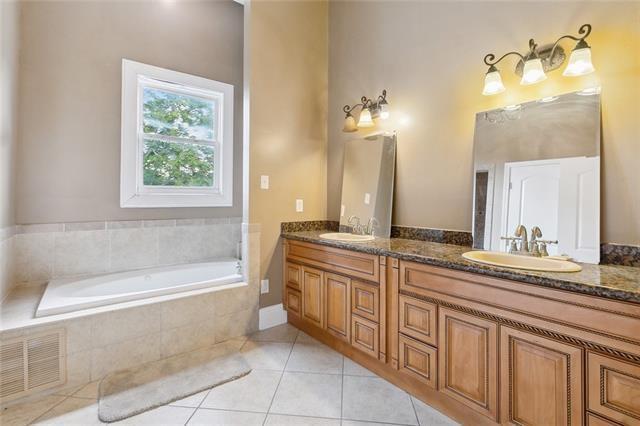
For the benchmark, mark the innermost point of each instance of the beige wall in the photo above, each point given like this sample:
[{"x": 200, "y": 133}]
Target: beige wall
[
  {"x": 288, "y": 98},
  {"x": 68, "y": 166},
  {"x": 428, "y": 55},
  {"x": 9, "y": 17}
]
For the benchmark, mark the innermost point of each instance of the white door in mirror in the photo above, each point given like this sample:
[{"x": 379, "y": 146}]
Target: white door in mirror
[{"x": 529, "y": 263}]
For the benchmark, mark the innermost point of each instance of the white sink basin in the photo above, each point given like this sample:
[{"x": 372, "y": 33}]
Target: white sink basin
[
  {"x": 345, "y": 236},
  {"x": 529, "y": 263}
]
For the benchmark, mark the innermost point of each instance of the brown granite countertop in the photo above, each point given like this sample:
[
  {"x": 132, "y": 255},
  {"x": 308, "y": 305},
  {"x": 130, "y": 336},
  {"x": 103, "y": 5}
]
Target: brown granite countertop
[{"x": 610, "y": 281}]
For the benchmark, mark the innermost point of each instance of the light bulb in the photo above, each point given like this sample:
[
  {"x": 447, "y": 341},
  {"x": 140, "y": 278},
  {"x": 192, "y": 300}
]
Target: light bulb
[
  {"x": 492, "y": 82},
  {"x": 349, "y": 124},
  {"x": 384, "y": 111},
  {"x": 365, "y": 119},
  {"x": 532, "y": 72},
  {"x": 579, "y": 63}
]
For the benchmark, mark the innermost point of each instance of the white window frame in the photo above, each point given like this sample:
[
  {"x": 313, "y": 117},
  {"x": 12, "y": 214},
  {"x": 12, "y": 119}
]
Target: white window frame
[{"x": 133, "y": 193}]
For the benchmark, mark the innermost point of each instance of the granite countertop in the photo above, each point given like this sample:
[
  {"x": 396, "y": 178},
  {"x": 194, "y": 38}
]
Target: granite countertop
[{"x": 609, "y": 281}]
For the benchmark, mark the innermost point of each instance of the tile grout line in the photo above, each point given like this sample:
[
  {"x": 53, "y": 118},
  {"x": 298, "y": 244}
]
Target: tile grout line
[
  {"x": 281, "y": 376},
  {"x": 415, "y": 412},
  {"x": 49, "y": 409},
  {"x": 342, "y": 392}
]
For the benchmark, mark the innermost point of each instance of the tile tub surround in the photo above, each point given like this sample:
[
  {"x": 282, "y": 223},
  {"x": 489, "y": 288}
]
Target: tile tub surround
[
  {"x": 47, "y": 251},
  {"x": 7, "y": 255},
  {"x": 609, "y": 281},
  {"x": 276, "y": 392},
  {"x": 102, "y": 342}
]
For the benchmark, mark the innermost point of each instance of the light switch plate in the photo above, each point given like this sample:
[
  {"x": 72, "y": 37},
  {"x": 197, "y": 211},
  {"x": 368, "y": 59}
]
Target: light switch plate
[
  {"x": 264, "y": 182},
  {"x": 264, "y": 286},
  {"x": 342, "y": 210},
  {"x": 367, "y": 198},
  {"x": 299, "y": 205}
]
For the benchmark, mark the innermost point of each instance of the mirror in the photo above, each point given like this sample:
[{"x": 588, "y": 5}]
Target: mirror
[
  {"x": 367, "y": 183},
  {"x": 538, "y": 164}
]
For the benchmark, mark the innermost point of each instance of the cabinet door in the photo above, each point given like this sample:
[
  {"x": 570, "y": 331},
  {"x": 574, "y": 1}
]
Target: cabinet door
[
  {"x": 312, "y": 297},
  {"x": 467, "y": 360},
  {"x": 293, "y": 301},
  {"x": 541, "y": 380},
  {"x": 293, "y": 275},
  {"x": 337, "y": 301},
  {"x": 614, "y": 388}
]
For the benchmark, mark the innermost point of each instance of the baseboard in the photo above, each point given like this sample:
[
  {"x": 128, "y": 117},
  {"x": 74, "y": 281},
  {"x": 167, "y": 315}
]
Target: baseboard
[{"x": 271, "y": 316}]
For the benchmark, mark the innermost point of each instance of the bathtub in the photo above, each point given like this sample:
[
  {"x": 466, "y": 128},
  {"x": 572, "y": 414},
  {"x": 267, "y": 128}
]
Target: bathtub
[{"x": 70, "y": 295}]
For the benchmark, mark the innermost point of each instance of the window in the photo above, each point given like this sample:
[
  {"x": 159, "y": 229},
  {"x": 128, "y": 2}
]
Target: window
[{"x": 177, "y": 139}]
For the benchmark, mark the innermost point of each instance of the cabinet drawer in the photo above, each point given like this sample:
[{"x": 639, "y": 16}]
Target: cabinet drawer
[
  {"x": 293, "y": 301},
  {"x": 418, "y": 360},
  {"x": 365, "y": 299},
  {"x": 365, "y": 335},
  {"x": 418, "y": 319},
  {"x": 293, "y": 275},
  {"x": 593, "y": 420},
  {"x": 613, "y": 388},
  {"x": 359, "y": 265}
]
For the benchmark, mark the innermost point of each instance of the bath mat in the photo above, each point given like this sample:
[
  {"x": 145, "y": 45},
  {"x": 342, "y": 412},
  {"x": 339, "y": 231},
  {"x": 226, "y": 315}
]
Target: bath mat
[{"x": 129, "y": 392}]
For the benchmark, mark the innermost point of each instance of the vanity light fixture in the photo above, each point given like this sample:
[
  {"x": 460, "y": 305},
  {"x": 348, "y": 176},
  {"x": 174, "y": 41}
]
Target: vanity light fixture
[
  {"x": 534, "y": 65},
  {"x": 369, "y": 110}
]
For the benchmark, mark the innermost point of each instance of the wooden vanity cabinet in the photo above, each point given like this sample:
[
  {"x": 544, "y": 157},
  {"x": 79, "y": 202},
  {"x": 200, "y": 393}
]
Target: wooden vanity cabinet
[{"x": 483, "y": 350}]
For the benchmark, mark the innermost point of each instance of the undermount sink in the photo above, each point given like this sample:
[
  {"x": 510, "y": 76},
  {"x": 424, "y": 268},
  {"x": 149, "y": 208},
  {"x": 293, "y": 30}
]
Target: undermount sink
[
  {"x": 345, "y": 236},
  {"x": 529, "y": 263}
]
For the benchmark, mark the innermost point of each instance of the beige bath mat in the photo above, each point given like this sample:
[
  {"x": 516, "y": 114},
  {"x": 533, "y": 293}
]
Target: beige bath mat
[{"x": 129, "y": 392}]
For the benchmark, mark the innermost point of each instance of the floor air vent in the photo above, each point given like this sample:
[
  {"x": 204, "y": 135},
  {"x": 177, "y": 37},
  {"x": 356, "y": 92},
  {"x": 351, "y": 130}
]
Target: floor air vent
[{"x": 31, "y": 363}]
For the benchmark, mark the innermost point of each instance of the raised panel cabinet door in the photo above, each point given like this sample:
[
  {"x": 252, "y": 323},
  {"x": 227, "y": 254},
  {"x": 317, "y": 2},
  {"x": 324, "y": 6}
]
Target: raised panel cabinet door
[
  {"x": 365, "y": 300},
  {"x": 418, "y": 319},
  {"x": 613, "y": 388},
  {"x": 293, "y": 301},
  {"x": 467, "y": 360},
  {"x": 541, "y": 380},
  {"x": 365, "y": 335},
  {"x": 417, "y": 360},
  {"x": 337, "y": 301},
  {"x": 312, "y": 296},
  {"x": 293, "y": 275}
]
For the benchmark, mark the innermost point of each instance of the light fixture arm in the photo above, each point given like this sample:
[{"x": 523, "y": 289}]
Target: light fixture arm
[
  {"x": 584, "y": 30},
  {"x": 489, "y": 59}
]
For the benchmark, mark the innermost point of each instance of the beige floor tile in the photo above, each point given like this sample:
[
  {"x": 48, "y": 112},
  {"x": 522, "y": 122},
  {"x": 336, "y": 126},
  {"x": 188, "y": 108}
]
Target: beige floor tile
[
  {"x": 253, "y": 392},
  {"x": 191, "y": 401},
  {"x": 22, "y": 414},
  {"x": 305, "y": 338},
  {"x": 314, "y": 358},
  {"x": 88, "y": 391},
  {"x": 206, "y": 417},
  {"x": 303, "y": 394},
  {"x": 352, "y": 368},
  {"x": 72, "y": 412},
  {"x": 429, "y": 416},
  {"x": 283, "y": 420},
  {"x": 161, "y": 416},
  {"x": 266, "y": 355},
  {"x": 282, "y": 333},
  {"x": 358, "y": 423},
  {"x": 376, "y": 400}
]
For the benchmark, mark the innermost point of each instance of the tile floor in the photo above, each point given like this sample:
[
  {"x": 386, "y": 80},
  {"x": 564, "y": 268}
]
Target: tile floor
[{"x": 295, "y": 381}]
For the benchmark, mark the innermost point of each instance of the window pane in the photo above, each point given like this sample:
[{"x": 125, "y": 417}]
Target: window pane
[
  {"x": 172, "y": 114},
  {"x": 177, "y": 164}
]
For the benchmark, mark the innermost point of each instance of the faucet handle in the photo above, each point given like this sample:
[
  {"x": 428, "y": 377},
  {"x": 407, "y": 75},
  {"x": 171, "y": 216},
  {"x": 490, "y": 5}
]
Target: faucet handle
[{"x": 513, "y": 246}]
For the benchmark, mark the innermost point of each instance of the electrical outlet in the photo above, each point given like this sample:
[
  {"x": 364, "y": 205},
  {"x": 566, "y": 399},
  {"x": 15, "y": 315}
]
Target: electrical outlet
[
  {"x": 264, "y": 286},
  {"x": 299, "y": 205},
  {"x": 264, "y": 182}
]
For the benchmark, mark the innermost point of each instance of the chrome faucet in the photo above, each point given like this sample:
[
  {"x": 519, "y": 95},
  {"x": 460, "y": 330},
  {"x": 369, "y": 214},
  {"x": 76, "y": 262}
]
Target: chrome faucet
[
  {"x": 370, "y": 228},
  {"x": 521, "y": 232},
  {"x": 533, "y": 245},
  {"x": 354, "y": 223},
  {"x": 536, "y": 247}
]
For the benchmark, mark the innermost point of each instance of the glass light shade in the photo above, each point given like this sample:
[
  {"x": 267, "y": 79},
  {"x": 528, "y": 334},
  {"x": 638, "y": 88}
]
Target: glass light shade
[
  {"x": 579, "y": 63},
  {"x": 384, "y": 111},
  {"x": 349, "y": 124},
  {"x": 493, "y": 83},
  {"x": 365, "y": 119},
  {"x": 532, "y": 72}
]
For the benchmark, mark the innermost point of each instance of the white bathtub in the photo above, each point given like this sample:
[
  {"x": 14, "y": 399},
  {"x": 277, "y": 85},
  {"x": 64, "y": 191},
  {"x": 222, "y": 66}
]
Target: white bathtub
[{"x": 70, "y": 295}]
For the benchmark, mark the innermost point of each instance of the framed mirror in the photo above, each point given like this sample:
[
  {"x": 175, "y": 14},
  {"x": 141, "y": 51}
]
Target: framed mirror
[
  {"x": 537, "y": 164},
  {"x": 367, "y": 183}
]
